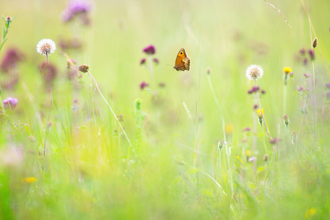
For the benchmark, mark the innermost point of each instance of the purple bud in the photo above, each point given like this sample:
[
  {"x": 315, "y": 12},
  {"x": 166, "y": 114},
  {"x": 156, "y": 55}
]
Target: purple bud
[
  {"x": 255, "y": 107},
  {"x": 143, "y": 61},
  {"x": 150, "y": 50},
  {"x": 305, "y": 62},
  {"x": 156, "y": 61},
  {"x": 10, "y": 103},
  {"x": 263, "y": 91},
  {"x": 311, "y": 54},
  {"x": 143, "y": 85},
  {"x": 307, "y": 76},
  {"x": 302, "y": 51}
]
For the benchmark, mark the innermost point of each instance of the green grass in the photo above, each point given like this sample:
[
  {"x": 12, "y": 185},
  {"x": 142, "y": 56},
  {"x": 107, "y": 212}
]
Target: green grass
[{"x": 174, "y": 169}]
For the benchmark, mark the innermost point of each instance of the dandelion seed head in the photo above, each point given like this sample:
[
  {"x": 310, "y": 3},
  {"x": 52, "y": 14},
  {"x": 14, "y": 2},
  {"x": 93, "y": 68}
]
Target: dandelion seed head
[
  {"x": 46, "y": 47},
  {"x": 254, "y": 72}
]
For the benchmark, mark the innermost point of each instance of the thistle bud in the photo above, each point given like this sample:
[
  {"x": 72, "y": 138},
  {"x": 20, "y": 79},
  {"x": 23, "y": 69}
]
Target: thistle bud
[
  {"x": 84, "y": 68},
  {"x": 286, "y": 120},
  {"x": 314, "y": 44}
]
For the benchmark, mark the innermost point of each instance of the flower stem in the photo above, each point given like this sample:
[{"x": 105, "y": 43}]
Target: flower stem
[{"x": 263, "y": 118}]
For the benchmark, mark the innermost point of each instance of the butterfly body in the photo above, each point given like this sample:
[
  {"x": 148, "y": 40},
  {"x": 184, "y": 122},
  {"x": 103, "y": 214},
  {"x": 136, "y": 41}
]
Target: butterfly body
[{"x": 182, "y": 61}]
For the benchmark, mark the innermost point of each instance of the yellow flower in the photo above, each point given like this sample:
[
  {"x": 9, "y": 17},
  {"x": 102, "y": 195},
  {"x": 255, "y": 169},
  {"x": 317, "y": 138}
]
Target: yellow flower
[
  {"x": 30, "y": 179},
  {"x": 310, "y": 212},
  {"x": 229, "y": 129},
  {"x": 287, "y": 70},
  {"x": 259, "y": 112},
  {"x": 247, "y": 153}
]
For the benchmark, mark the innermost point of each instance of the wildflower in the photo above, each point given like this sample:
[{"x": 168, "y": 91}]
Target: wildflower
[
  {"x": 247, "y": 129},
  {"x": 247, "y": 155},
  {"x": 286, "y": 120},
  {"x": 156, "y": 61},
  {"x": 83, "y": 68},
  {"x": 259, "y": 113},
  {"x": 302, "y": 51},
  {"x": 291, "y": 74},
  {"x": 254, "y": 89},
  {"x": 274, "y": 140},
  {"x": 263, "y": 91},
  {"x": 208, "y": 70},
  {"x": 143, "y": 61},
  {"x": 30, "y": 180},
  {"x": 254, "y": 72},
  {"x": 10, "y": 103},
  {"x": 300, "y": 89},
  {"x": 327, "y": 86},
  {"x": 255, "y": 107},
  {"x": 314, "y": 43},
  {"x": 307, "y": 75},
  {"x": 10, "y": 59},
  {"x": 229, "y": 129},
  {"x": 311, "y": 54},
  {"x": 46, "y": 47},
  {"x": 266, "y": 157},
  {"x": 143, "y": 85},
  {"x": 49, "y": 72},
  {"x": 305, "y": 62},
  {"x": 120, "y": 117},
  {"x": 151, "y": 50},
  {"x": 310, "y": 212},
  {"x": 287, "y": 70},
  {"x": 77, "y": 8}
]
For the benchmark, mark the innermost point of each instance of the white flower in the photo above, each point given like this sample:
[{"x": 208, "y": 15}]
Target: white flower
[
  {"x": 46, "y": 47},
  {"x": 254, "y": 72}
]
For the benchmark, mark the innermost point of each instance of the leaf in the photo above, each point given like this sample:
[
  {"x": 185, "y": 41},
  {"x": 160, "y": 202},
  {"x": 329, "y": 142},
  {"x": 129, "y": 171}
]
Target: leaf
[
  {"x": 3, "y": 43},
  {"x": 295, "y": 93},
  {"x": 3, "y": 32},
  {"x": 240, "y": 159}
]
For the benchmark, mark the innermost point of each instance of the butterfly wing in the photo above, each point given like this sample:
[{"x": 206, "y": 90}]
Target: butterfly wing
[{"x": 182, "y": 61}]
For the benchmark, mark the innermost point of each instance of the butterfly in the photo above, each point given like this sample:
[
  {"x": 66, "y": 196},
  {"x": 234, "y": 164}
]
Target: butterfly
[{"x": 182, "y": 61}]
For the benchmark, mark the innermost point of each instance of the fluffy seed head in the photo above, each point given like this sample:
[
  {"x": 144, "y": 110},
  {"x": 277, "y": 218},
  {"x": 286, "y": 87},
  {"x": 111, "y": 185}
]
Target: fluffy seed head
[
  {"x": 254, "y": 72},
  {"x": 83, "y": 68},
  {"x": 46, "y": 47}
]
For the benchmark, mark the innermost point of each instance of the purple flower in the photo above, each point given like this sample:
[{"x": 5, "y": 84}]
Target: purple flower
[
  {"x": 143, "y": 61},
  {"x": 10, "y": 59},
  {"x": 307, "y": 76},
  {"x": 291, "y": 74},
  {"x": 305, "y": 62},
  {"x": 311, "y": 54},
  {"x": 302, "y": 51},
  {"x": 255, "y": 107},
  {"x": 254, "y": 89},
  {"x": 274, "y": 140},
  {"x": 10, "y": 102},
  {"x": 75, "y": 101},
  {"x": 327, "y": 85},
  {"x": 263, "y": 91},
  {"x": 300, "y": 89},
  {"x": 143, "y": 85},
  {"x": 156, "y": 61},
  {"x": 150, "y": 50},
  {"x": 76, "y": 7},
  {"x": 246, "y": 129}
]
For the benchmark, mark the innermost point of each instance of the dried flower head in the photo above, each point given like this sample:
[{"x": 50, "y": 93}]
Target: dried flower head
[
  {"x": 46, "y": 47},
  {"x": 266, "y": 157},
  {"x": 83, "y": 68},
  {"x": 8, "y": 19},
  {"x": 208, "y": 70},
  {"x": 10, "y": 103},
  {"x": 254, "y": 72},
  {"x": 314, "y": 44},
  {"x": 150, "y": 50},
  {"x": 77, "y": 8}
]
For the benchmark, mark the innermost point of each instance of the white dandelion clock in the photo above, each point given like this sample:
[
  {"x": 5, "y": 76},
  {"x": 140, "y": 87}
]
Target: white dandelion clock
[
  {"x": 254, "y": 72},
  {"x": 46, "y": 47}
]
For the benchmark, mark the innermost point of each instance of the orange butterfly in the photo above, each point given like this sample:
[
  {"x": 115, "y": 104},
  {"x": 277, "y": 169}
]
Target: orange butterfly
[{"x": 182, "y": 61}]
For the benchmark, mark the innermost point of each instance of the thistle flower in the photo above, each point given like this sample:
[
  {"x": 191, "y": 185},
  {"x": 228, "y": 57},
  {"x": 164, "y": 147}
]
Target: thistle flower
[
  {"x": 83, "y": 68},
  {"x": 10, "y": 103},
  {"x": 151, "y": 50},
  {"x": 143, "y": 61},
  {"x": 274, "y": 140},
  {"x": 10, "y": 59},
  {"x": 254, "y": 72},
  {"x": 311, "y": 54},
  {"x": 46, "y": 47},
  {"x": 314, "y": 43},
  {"x": 143, "y": 85}
]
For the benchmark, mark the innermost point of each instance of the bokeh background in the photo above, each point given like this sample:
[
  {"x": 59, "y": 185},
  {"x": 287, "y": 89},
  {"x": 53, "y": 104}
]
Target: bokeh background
[{"x": 178, "y": 170}]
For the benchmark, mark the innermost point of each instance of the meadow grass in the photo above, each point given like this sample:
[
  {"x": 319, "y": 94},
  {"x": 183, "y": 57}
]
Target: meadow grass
[{"x": 196, "y": 149}]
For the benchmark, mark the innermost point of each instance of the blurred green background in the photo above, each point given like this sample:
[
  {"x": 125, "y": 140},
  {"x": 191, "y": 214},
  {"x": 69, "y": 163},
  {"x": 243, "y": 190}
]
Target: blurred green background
[{"x": 178, "y": 170}]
